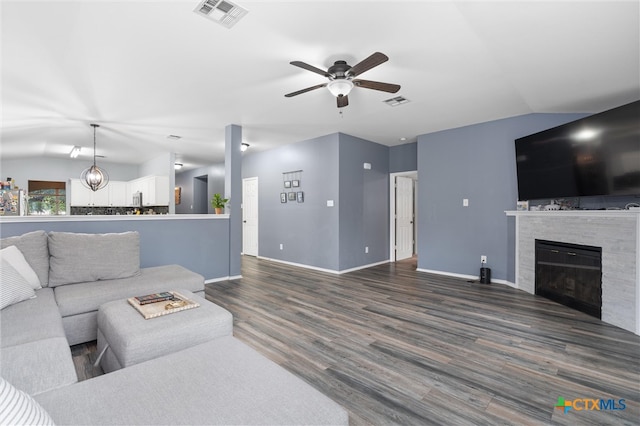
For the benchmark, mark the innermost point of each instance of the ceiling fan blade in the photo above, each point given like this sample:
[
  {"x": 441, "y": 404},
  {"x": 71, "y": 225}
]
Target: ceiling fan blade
[
  {"x": 308, "y": 89},
  {"x": 311, "y": 68},
  {"x": 372, "y": 61},
  {"x": 343, "y": 101},
  {"x": 377, "y": 85}
]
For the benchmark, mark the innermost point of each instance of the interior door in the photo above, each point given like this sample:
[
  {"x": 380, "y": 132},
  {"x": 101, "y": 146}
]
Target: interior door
[
  {"x": 404, "y": 217},
  {"x": 250, "y": 216}
]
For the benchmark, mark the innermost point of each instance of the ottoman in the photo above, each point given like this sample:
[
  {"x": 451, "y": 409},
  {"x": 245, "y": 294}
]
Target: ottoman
[{"x": 125, "y": 338}]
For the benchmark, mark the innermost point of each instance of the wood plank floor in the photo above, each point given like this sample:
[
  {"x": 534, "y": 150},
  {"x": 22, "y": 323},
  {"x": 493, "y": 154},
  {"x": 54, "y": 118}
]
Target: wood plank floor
[{"x": 397, "y": 346}]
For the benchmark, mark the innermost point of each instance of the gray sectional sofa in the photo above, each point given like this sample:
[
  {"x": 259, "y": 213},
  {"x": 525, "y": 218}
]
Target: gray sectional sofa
[
  {"x": 86, "y": 270},
  {"x": 221, "y": 381}
]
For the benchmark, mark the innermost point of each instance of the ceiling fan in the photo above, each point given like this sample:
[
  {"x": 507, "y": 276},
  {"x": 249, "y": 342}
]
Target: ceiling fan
[{"x": 341, "y": 78}]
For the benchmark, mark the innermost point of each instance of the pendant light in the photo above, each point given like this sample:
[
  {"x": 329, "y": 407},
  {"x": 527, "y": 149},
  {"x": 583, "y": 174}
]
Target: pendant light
[{"x": 93, "y": 177}]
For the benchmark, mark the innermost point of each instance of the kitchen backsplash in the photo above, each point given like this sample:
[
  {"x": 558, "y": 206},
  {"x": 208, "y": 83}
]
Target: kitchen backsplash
[{"x": 83, "y": 211}]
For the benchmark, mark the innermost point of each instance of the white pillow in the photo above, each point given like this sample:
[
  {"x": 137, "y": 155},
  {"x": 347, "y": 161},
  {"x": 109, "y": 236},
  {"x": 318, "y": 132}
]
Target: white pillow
[
  {"x": 18, "y": 408},
  {"x": 14, "y": 256},
  {"x": 13, "y": 287}
]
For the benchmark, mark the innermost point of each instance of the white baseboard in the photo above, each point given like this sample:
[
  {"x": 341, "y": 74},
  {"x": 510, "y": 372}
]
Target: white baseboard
[
  {"x": 465, "y": 277},
  {"x": 315, "y": 268},
  {"x": 215, "y": 280}
]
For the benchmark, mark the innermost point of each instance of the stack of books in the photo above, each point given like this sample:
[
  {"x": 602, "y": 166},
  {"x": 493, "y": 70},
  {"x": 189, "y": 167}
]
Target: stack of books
[{"x": 153, "y": 298}]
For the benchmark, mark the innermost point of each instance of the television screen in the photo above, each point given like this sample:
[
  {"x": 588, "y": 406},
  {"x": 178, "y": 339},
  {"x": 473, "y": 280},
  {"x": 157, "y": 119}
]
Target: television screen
[{"x": 596, "y": 155}]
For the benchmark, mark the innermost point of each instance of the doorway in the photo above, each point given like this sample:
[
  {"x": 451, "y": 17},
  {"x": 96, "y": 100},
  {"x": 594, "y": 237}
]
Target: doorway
[
  {"x": 403, "y": 216},
  {"x": 201, "y": 194},
  {"x": 250, "y": 216}
]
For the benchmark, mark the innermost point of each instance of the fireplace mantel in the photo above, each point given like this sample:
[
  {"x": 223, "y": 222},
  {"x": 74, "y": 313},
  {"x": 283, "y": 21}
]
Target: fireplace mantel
[{"x": 616, "y": 231}]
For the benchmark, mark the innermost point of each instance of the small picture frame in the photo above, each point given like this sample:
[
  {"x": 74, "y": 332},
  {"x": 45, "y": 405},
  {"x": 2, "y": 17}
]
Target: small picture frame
[
  {"x": 283, "y": 197},
  {"x": 295, "y": 183},
  {"x": 300, "y": 196},
  {"x": 287, "y": 184},
  {"x": 522, "y": 206},
  {"x": 292, "y": 196}
]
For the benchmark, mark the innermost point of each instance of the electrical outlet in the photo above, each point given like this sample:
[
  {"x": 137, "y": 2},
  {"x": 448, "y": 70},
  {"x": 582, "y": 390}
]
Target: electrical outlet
[
  {"x": 366, "y": 249},
  {"x": 281, "y": 246},
  {"x": 465, "y": 202},
  {"x": 483, "y": 259}
]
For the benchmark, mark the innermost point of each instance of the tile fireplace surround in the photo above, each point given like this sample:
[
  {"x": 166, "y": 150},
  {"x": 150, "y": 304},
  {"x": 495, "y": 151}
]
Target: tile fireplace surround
[{"x": 616, "y": 231}]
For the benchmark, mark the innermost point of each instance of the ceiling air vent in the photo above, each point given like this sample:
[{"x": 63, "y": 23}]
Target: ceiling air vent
[
  {"x": 398, "y": 100},
  {"x": 223, "y": 12}
]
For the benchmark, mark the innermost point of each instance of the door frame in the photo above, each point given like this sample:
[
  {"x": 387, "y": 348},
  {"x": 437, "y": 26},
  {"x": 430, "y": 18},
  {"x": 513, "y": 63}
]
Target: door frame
[{"x": 392, "y": 211}]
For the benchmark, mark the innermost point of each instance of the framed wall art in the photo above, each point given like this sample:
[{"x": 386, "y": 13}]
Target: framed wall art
[
  {"x": 283, "y": 197},
  {"x": 292, "y": 196},
  {"x": 300, "y": 196}
]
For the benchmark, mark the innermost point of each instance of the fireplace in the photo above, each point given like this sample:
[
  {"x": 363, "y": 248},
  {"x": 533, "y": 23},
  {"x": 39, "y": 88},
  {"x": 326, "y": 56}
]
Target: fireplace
[{"x": 569, "y": 274}]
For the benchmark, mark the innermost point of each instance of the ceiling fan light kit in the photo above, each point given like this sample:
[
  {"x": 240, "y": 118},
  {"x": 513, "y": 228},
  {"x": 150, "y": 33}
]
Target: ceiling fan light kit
[
  {"x": 341, "y": 76},
  {"x": 340, "y": 87},
  {"x": 94, "y": 177}
]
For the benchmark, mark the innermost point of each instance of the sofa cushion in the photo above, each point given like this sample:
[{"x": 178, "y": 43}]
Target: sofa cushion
[
  {"x": 38, "y": 366},
  {"x": 18, "y": 408},
  {"x": 34, "y": 247},
  {"x": 33, "y": 319},
  {"x": 223, "y": 381},
  {"x": 14, "y": 287},
  {"x": 74, "y": 299},
  {"x": 14, "y": 256},
  {"x": 77, "y": 257}
]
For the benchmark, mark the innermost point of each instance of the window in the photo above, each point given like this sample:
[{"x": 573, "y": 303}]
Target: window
[{"x": 46, "y": 198}]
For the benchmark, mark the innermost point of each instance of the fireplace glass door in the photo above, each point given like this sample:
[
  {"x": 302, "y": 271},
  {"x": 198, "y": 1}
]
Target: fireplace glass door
[{"x": 570, "y": 274}]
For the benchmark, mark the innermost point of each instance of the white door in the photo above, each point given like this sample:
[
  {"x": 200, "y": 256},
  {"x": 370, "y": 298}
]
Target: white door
[
  {"x": 250, "y": 216},
  {"x": 404, "y": 217}
]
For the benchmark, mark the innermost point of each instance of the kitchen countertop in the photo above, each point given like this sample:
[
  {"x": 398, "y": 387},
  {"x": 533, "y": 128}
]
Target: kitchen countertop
[{"x": 95, "y": 218}]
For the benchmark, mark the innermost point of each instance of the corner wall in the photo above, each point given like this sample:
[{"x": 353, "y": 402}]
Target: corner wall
[
  {"x": 312, "y": 233},
  {"x": 364, "y": 202}
]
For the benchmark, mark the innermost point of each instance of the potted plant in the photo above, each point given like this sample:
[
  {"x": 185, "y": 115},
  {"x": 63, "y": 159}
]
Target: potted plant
[{"x": 217, "y": 202}]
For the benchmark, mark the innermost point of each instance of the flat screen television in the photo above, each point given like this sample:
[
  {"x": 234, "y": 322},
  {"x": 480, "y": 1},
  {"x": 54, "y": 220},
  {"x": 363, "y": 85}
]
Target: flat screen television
[{"x": 593, "y": 156}]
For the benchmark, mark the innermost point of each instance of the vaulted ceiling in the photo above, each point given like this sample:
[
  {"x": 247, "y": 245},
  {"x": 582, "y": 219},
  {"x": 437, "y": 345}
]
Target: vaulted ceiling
[{"x": 145, "y": 70}]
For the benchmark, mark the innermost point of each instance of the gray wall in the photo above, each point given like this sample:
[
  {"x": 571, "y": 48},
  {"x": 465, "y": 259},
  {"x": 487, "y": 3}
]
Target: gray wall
[
  {"x": 215, "y": 176},
  {"x": 363, "y": 203},
  {"x": 309, "y": 230},
  {"x": 475, "y": 162},
  {"x": 403, "y": 158},
  {"x": 199, "y": 245}
]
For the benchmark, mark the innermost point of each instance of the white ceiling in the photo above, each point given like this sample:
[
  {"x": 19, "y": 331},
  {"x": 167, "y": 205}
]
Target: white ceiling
[{"x": 144, "y": 70}]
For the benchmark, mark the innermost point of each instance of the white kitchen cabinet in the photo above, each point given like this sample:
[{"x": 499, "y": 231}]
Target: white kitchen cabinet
[
  {"x": 84, "y": 197},
  {"x": 118, "y": 194},
  {"x": 81, "y": 196},
  {"x": 154, "y": 189}
]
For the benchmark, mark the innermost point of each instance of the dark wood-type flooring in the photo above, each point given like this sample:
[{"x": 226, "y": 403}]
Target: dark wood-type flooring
[{"x": 397, "y": 346}]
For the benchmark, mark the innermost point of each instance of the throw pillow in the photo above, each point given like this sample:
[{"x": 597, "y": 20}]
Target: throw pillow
[
  {"x": 13, "y": 287},
  {"x": 77, "y": 257},
  {"x": 18, "y": 408},
  {"x": 14, "y": 256}
]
